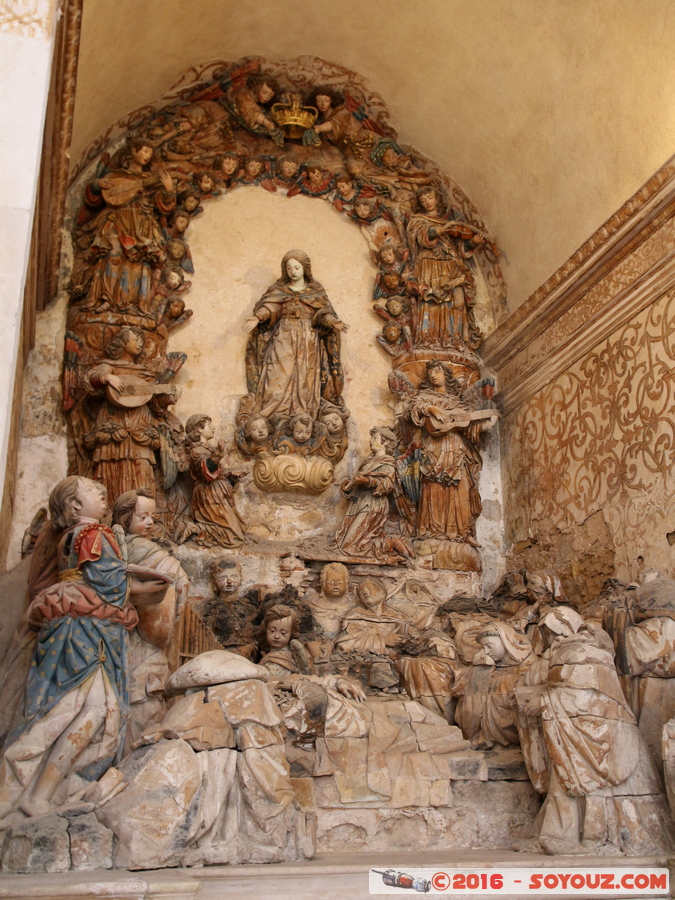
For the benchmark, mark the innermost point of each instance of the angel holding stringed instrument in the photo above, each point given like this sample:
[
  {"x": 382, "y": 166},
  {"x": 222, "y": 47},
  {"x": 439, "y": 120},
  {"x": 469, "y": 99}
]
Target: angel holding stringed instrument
[
  {"x": 446, "y": 425},
  {"x": 127, "y": 432},
  {"x": 119, "y": 234},
  {"x": 441, "y": 247}
]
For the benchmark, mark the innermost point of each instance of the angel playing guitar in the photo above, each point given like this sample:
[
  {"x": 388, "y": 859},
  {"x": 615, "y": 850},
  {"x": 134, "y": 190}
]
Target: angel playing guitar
[
  {"x": 127, "y": 244},
  {"x": 446, "y": 427},
  {"x": 127, "y": 432}
]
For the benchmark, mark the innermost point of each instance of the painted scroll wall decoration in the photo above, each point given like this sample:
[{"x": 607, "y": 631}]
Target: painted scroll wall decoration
[
  {"x": 602, "y": 436},
  {"x": 304, "y": 128}
]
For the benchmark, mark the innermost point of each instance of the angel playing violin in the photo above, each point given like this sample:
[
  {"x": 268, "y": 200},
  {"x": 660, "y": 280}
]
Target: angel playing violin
[
  {"x": 440, "y": 249},
  {"x": 115, "y": 271}
]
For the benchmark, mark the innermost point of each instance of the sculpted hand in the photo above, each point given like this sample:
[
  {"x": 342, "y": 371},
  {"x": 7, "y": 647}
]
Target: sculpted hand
[
  {"x": 349, "y": 689},
  {"x": 114, "y": 381},
  {"x": 528, "y": 701},
  {"x": 147, "y": 587},
  {"x": 105, "y": 184},
  {"x": 251, "y": 323},
  {"x": 340, "y": 326},
  {"x": 167, "y": 181},
  {"x": 391, "y": 640}
]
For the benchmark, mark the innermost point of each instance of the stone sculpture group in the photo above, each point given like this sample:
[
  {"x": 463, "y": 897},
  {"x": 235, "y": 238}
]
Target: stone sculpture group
[
  {"x": 358, "y": 691},
  {"x": 127, "y": 292},
  {"x": 320, "y": 694}
]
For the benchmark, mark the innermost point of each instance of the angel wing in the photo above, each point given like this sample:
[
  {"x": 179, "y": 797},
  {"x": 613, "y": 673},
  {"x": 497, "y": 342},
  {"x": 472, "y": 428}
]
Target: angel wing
[
  {"x": 400, "y": 385},
  {"x": 360, "y": 113},
  {"x": 174, "y": 362},
  {"x": 121, "y": 538},
  {"x": 479, "y": 394}
]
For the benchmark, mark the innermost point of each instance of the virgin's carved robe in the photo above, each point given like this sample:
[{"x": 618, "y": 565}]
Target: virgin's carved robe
[{"x": 293, "y": 356}]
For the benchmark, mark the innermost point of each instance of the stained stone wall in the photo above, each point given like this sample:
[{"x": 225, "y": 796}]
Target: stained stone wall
[{"x": 586, "y": 381}]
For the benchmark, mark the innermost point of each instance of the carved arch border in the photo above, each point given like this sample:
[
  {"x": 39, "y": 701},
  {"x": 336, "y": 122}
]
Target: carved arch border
[
  {"x": 303, "y": 72},
  {"x": 203, "y": 82}
]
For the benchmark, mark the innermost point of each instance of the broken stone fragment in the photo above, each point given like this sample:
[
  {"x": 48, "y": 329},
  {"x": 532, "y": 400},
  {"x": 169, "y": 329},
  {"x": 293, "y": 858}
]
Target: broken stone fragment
[
  {"x": 91, "y": 843},
  {"x": 154, "y": 817},
  {"x": 40, "y": 844},
  {"x": 202, "y": 725}
]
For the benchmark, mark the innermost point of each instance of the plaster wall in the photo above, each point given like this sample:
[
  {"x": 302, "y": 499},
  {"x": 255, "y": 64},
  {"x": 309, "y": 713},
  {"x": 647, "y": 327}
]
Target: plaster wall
[
  {"x": 26, "y": 45},
  {"x": 549, "y": 114}
]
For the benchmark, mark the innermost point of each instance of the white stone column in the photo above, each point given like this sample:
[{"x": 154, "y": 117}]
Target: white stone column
[{"x": 27, "y": 30}]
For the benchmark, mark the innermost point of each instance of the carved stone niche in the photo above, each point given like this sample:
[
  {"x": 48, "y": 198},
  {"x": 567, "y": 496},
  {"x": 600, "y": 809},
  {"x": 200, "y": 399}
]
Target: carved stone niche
[{"x": 303, "y": 128}]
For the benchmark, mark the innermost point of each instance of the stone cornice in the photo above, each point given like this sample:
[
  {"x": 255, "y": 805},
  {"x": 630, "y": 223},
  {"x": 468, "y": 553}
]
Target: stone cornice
[
  {"x": 619, "y": 310},
  {"x": 637, "y": 219}
]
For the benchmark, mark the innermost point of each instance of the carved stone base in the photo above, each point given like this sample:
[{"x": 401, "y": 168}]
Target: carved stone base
[
  {"x": 462, "y": 361},
  {"x": 491, "y": 815}
]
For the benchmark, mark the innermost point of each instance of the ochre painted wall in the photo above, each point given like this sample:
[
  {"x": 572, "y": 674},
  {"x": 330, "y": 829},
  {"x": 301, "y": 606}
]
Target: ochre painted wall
[{"x": 589, "y": 459}]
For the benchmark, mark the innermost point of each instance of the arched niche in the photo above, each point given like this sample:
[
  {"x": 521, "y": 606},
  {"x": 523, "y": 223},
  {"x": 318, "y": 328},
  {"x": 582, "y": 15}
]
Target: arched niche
[{"x": 243, "y": 230}]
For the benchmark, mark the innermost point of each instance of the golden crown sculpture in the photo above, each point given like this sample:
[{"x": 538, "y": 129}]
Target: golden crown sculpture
[{"x": 293, "y": 118}]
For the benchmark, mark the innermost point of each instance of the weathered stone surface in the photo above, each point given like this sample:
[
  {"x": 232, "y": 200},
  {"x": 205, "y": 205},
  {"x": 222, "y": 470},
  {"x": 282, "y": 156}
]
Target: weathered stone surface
[
  {"x": 246, "y": 701},
  {"x": 354, "y": 788},
  {"x": 439, "y": 738},
  {"x": 466, "y": 765},
  {"x": 108, "y": 786},
  {"x": 408, "y": 792},
  {"x": 419, "y": 713},
  {"x": 153, "y": 818},
  {"x": 349, "y": 754},
  {"x": 304, "y": 791},
  {"x": 383, "y": 675},
  {"x": 218, "y": 772},
  {"x": 37, "y": 845},
  {"x": 91, "y": 843},
  {"x": 200, "y": 724},
  {"x": 265, "y": 776},
  {"x": 214, "y": 667},
  {"x": 486, "y": 815},
  {"x": 506, "y": 764},
  {"x": 301, "y": 761},
  {"x": 326, "y": 794},
  {"x": 440, "y": 793},
  {"x": 668, "y": 751},
  {"x": 251, "y": 734},
  {"x": 323, "y": 764}
]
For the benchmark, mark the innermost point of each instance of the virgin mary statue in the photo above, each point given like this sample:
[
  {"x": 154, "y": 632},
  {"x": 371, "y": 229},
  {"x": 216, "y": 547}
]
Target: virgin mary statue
[{"x": 293, "y": 353}]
